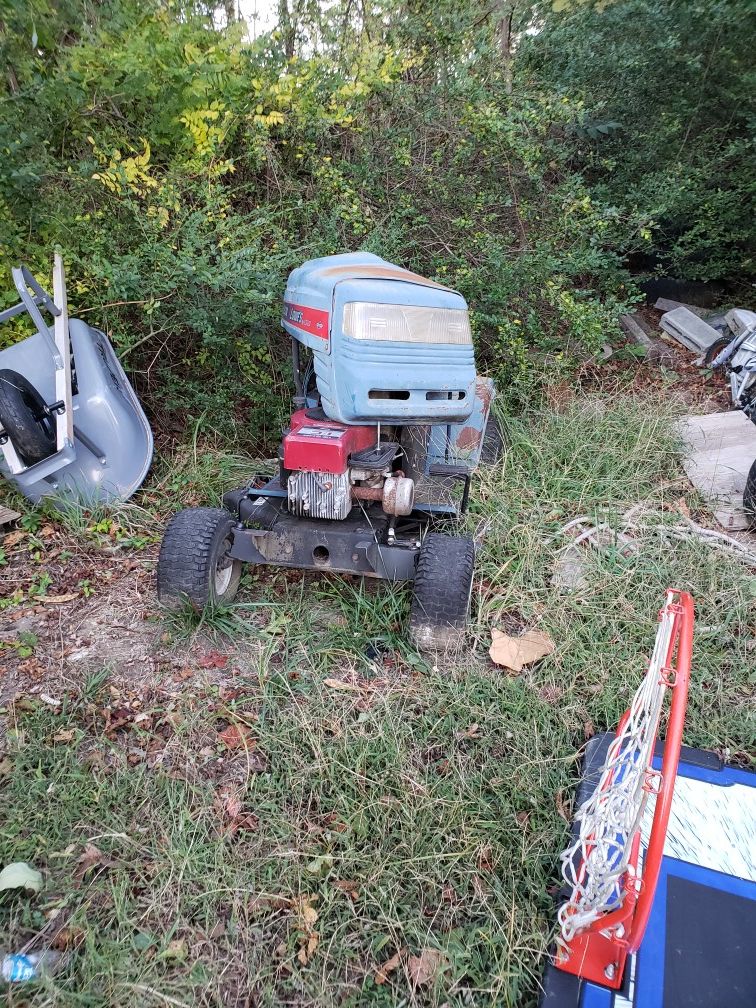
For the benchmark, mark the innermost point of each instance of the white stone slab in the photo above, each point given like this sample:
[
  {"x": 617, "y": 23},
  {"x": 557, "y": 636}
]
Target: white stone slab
[{"x": 720, "y": 448}]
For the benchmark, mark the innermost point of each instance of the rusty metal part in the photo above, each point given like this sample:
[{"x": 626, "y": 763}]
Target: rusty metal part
[
  {"x": 398, "y": 495},
  {"x": 367, "y": 493}
]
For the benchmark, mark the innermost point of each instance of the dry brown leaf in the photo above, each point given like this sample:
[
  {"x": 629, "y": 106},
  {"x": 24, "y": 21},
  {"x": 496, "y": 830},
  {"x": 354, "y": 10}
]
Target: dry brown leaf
[
  {"x": 307, "y": 913},
  {"x": 58, "y": 599},
  {"x": 516, "y": 652},
  {"x": 91, "y": 857},
  {"x": 383, "y": 972},
  {"x": 564, "y": 806},
  {"x": 426, "y": 967},
  {"x": 65, "y": 735},
  {"x": 237, "y": 736},
  {"x": 350, "y": 887},
  {"x": 14, "y": 538},
  {"x": 247, "y": 821},
  {"x": 212, "y": 660},
  {"x": 307, "y": 950},
  {"x": 339, "y": 684}
]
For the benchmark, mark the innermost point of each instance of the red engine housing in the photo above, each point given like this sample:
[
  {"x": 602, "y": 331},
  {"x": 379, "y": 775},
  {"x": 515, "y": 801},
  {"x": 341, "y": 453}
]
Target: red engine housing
[{"x": 324, "y": 445}]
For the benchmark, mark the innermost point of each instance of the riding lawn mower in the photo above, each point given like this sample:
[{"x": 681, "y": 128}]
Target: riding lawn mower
[{"x": 388, "y": 426}]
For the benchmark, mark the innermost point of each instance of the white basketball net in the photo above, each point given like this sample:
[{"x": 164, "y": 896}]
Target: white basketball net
[{"x": 594, "y": 865}]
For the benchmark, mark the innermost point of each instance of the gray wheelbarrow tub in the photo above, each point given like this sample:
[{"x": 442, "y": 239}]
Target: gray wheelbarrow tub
[{"x": 113, "y": 442}]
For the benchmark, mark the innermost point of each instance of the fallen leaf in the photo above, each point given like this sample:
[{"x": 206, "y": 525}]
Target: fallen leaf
[
  {"x": 91, "y": 857},
  {"x": 236, "y": 736},
  {"x": 57, "y": 599},
  {"x": 65, "y": 735},
  {"x": 14, "y": 538},
  {"x": 350, "y": 887},
  {"x": 213, "y": 659},
  {"x": 20, "y": 875},
  {"x": 307, "y": 950},
  {"x": 307, "y": 913},
  {"x": 339, "y": 684},
  {"x": 426, "y": 967},
  {"x": 515, "y": 652},
  {"x": 232, "y": 805},
  {"x": 564, "y": 806},
  {"x": 68, "y": 937},
  {"x": 383, "y": 972}
]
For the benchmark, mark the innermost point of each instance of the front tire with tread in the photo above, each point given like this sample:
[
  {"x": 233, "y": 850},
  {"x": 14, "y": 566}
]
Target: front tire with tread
[
  {"x": 193, "y": 565},
  {"x": 442, "y": 591}
]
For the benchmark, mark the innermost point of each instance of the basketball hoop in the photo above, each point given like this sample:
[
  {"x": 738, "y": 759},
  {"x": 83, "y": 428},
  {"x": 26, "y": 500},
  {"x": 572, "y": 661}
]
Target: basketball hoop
[{"x": 605, "y": 915}]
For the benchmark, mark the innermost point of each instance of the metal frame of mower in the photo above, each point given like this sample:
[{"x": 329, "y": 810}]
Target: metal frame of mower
[{"x": 204, "y": 548}]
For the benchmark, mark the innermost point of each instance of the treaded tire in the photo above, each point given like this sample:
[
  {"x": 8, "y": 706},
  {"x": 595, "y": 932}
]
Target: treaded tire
[
  {"x": 442, "y": 590},
  {"x": 192, "y": 565},
  {"x": 749, "y": 496},
  {"x": 492, "y": 446},
  {"x": 25, "y": 418}
]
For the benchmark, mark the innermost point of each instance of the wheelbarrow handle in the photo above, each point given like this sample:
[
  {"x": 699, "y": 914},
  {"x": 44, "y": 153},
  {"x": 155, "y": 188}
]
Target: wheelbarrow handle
[{"x": 25, "y": 282}]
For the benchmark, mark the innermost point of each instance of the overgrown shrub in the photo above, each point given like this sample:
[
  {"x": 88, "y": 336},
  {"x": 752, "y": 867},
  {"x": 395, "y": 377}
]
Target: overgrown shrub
[{"x": 184, "y": 171}]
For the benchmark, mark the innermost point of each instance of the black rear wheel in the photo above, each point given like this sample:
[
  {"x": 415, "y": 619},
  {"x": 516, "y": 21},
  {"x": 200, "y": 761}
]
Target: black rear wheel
[
  {"x": 25, "y": 418},
  {"x": 492, "y": 448},
  {"x": 749, "y": 496},
  {"x": 194, "y": 565},
  {"x": 442, "y": 590}
]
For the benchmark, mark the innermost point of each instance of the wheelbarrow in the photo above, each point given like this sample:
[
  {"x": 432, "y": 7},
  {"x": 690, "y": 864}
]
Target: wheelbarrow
[{"x": 71, "y": 425}]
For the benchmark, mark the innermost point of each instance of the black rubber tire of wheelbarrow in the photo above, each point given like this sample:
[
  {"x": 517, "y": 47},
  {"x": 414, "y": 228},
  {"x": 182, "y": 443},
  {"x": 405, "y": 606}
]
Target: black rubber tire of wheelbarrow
[
  {"x": 749, "y": 496},
  {"x": 194, "y": 542},
  {"x": 25, "y": 418},
  {"x": 441, "y": 592}
]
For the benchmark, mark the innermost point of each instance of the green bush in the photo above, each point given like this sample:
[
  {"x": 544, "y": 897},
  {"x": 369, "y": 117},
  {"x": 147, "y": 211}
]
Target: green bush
[{"x": 184, "y": 171}]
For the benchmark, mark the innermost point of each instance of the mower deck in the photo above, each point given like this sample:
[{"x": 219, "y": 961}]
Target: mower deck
[{"x": 359, "y": 544}]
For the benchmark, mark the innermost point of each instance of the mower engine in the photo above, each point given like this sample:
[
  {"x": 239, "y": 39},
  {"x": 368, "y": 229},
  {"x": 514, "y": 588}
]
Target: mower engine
[
  {"x": 388, "y": 426},
  {"x": 329, "y": 466}
]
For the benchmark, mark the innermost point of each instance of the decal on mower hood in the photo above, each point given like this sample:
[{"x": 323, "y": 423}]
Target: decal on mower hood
[{"x": 309, "y": 320}]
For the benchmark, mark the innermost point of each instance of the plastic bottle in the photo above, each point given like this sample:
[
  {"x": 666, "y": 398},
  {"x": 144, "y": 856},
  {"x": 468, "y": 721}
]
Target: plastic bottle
[{"x": 19, "y": 966}]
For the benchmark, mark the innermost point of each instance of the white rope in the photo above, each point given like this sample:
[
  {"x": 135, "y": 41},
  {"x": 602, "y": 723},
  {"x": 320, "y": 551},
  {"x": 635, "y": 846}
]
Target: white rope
[{"x": 594, "y": 865}]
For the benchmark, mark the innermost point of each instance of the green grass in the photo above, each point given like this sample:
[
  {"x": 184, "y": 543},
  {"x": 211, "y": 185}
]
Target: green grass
[{"x": 419, "y": 810}]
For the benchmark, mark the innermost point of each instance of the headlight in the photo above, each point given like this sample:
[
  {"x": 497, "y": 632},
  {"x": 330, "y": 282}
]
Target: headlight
[{"x": 366, "y": 320}]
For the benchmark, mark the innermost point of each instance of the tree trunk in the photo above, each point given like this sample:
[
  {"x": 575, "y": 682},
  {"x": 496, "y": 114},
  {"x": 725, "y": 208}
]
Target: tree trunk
[
  {"x": 504, "y": 34},
  {"x": 287, "y": 27}
]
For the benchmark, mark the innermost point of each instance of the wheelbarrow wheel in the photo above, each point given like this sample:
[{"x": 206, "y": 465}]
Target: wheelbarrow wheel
[
  {"x": 442, "y": 591},
  {"x": 25, "y": 418},
  {"x": 749, "y": 496},
  {"x": 194, "y": 565}
]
